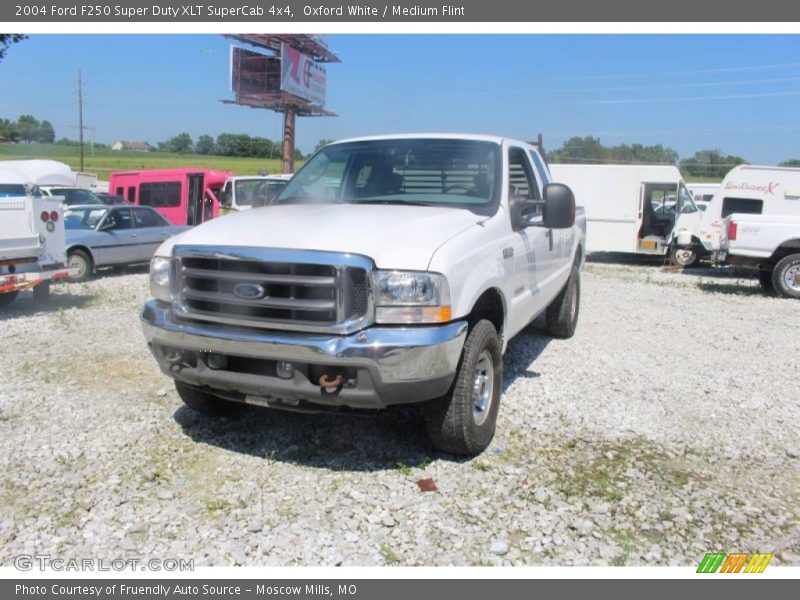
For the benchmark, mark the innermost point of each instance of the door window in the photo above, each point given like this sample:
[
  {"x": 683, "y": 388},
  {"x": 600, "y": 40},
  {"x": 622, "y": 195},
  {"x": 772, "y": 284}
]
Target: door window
[
  {"x": 120, "y": 219},
  {"x": 148, "y": 218}
]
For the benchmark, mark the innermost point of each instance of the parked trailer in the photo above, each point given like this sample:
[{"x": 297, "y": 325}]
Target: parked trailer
[
  {"x": 640, "y": 209},
  {"x": 32, "y": 239},
  {"x": 186, "y": 196}
]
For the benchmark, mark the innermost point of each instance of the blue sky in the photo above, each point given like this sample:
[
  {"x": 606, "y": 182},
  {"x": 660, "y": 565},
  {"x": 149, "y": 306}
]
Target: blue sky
[{"x": 737, "y": 93}]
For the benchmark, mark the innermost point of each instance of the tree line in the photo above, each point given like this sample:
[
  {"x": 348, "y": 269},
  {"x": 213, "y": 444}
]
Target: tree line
[
  {"x": 27, "y": 128},
  {"x": 226, "y": 144},
  {"x": 712, "y": 163}
]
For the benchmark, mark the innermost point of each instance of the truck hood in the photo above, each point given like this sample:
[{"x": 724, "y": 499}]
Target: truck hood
[{"x": 394, "y": 236}]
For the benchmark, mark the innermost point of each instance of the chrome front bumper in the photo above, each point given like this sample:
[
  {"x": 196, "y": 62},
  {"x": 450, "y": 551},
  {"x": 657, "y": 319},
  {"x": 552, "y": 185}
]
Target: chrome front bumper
[{"x": 382, "y": 365}]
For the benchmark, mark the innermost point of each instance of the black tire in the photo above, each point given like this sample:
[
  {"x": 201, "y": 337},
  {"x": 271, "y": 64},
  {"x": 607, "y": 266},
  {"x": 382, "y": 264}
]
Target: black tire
[
  {"x": 682, "y": 257},
  {"x": 41, "y": 293},
  {"x": 84, "y": 263},
  {"x": 206, "y": 403},
  {"x": 7, "y": 298},
  {"x": 786, "y": 276},
  {"x": 463, "y": 421},
  {"x": 765, "y": 280},
  {"x": 562, "y": 314}
]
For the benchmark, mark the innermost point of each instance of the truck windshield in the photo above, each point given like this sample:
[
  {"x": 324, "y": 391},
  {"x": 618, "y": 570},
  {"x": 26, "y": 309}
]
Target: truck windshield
[
  {"x": 435, "y": 172},
  {"x": 257, "y": 192}
]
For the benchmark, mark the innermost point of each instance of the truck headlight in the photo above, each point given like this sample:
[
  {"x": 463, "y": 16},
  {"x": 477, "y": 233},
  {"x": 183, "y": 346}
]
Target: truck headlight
[
  {"x": 159, "y": 277},
  {"x": 411, "y": 297}
]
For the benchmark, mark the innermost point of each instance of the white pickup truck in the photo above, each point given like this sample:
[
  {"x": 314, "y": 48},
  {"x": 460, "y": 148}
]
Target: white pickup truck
[
  {"x": 760, "y": 226},
  {"x": 391, "y": 269},
  {"x": 768, "y": 243}
]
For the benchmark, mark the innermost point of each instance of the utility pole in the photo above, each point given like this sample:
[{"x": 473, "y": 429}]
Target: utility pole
[
  {"x": 289, "y": 116},
  {"x": 80, "y": 115}
]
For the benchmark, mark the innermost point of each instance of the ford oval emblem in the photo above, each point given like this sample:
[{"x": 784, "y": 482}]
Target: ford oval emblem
[{"x": 249, "y": 291}]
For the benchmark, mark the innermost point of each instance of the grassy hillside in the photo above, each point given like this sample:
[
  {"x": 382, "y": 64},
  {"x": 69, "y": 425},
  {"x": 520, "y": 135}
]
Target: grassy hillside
[{"x": 106, "y": 160}]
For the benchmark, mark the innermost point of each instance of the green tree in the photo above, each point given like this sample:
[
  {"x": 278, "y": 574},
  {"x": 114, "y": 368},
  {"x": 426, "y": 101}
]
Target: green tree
[
  {"x": 180, "y": 144},
  {"x": 8, "y": 131},
  {"x": 794, "y": 162},
  {"x": 28, "y": 128},
  {"x": 320, "y": 144},
  {"x": 710, "y": 163},
  {"x": 205, "y": 145},
  {"x": 6, "y": 39},
  {"x": 46, "y": 133}
]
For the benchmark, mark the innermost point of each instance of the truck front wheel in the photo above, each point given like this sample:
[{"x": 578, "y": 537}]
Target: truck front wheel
[
  {"x": 786, "y": 276},
  {"x": 463, "y": 421},
  {"x": 205, "y": 403},
  {"x": 562, "y": 314},
  {"x": 682, "y": 257}
]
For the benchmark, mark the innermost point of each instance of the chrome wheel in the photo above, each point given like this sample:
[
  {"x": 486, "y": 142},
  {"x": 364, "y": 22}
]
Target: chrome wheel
[
  {"x": 791, "y": 277},
  {"x": 482, "y": 387}
]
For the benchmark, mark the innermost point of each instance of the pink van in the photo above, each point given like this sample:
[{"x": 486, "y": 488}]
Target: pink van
[{"x": 184, "y": 196}]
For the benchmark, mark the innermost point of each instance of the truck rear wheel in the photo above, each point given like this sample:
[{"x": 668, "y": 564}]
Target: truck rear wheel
[
  {"x": 463, "y": 422},
  {"x": 206, "y": 403},
  {"x": 562, "y": 314},
  {"x": 7, "y": 298},
  {"x": 786, "y": 276}
]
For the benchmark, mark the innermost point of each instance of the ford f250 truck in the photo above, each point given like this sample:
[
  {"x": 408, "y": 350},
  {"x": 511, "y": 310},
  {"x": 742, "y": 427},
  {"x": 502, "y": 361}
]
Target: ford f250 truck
[{"x": 390, "y": 270}]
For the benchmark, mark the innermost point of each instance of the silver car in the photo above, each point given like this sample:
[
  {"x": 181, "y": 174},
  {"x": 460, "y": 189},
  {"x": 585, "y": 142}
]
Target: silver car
[{"x": 109, "y": 236}]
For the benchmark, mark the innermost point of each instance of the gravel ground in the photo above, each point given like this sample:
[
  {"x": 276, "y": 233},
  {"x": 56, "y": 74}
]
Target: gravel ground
[{"x": 666, "y": 428}]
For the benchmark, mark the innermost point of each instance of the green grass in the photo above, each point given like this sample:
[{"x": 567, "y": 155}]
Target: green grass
[{"x": 106, "y": 160}]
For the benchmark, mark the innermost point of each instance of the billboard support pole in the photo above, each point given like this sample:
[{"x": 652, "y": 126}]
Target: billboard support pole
[{"x": 289, "y": 116}]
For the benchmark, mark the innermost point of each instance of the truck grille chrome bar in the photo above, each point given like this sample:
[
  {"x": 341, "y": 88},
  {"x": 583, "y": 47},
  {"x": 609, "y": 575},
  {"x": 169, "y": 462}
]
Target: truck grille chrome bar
[{"x": 273, "y": 288}]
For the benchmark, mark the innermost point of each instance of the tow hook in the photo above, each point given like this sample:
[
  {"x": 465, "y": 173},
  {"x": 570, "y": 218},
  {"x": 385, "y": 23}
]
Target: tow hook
[{"x": 329, "y": 386}]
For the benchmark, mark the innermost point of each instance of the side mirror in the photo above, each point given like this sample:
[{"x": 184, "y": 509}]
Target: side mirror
[{"x": 559, "y": 206}]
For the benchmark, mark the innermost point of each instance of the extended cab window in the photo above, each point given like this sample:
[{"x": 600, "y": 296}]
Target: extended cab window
[
  {"x": 748, "y": 206},
  {"x": 459, "y": 173}
]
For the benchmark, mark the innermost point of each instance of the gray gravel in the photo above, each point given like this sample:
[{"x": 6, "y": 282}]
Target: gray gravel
[{"x": 666, "y": 428}]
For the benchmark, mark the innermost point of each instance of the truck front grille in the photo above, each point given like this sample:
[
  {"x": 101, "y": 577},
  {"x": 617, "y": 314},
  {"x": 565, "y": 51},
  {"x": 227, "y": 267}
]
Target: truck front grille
[{"x": 302, "y": 290}]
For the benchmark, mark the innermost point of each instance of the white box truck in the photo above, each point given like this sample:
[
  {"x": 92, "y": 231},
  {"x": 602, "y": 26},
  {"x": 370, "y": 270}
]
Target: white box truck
[{"x": 641, "y": 209}]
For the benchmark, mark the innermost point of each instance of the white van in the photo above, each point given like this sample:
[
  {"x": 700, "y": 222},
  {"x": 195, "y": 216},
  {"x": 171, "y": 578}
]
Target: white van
[
  {"x": 243, "y": 192},
  {"x": 641, "y": 209},
  {"x": 753, "y": 190},
  {"x": 702, "y": 193}
]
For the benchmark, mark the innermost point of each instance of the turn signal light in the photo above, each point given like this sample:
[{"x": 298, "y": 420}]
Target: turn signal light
[
  {"x": 54, "y": 216},
  {"x": 45, "y": 216}
]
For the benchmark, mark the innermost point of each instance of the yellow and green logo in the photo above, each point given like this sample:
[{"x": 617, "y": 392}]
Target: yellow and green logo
[{"x": 734, "y": 562}]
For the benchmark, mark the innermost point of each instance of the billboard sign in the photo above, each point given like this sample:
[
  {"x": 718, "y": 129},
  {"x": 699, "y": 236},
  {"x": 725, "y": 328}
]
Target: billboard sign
[{"x": 301, "y": 76}]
